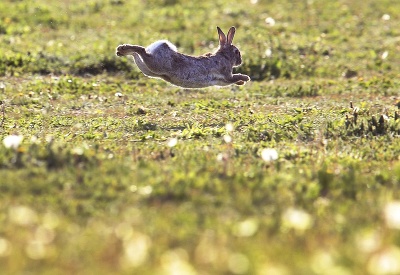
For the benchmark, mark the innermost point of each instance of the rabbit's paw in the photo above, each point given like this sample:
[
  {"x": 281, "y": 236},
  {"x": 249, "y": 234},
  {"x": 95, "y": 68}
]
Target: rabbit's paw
[
  {"x": 244, "y": 77},
  {"x": 124, "y": 49},
  {"x": 127, "y": 49},
  {"x": 240, "y": 79}
]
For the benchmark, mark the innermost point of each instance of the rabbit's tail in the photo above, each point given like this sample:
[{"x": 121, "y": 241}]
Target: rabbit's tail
[{"x": 152, "y": 48}]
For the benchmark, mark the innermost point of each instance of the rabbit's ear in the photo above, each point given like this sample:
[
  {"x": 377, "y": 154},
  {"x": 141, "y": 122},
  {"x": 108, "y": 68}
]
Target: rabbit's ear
[
  {"x": 222, "y": 37},
  {"x": 231, "y": 34}
]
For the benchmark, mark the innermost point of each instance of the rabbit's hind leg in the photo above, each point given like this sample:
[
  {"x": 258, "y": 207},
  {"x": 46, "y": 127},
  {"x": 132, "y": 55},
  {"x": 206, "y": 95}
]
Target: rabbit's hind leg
[
  {"x": 145, "y": 69},
  {"x": 142, "y": 66},
  {"x": 127, "y": 49}
]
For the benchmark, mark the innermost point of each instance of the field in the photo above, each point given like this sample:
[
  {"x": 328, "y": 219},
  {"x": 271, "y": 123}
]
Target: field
[{"x": 106, "y": 171}]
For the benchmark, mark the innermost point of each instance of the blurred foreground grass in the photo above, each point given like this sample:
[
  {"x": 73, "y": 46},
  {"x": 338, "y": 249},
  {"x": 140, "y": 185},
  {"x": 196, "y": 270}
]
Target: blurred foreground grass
[{"x": 118, "y": 173}]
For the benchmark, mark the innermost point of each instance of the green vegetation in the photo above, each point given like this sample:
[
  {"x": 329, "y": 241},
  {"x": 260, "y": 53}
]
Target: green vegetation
[{"x": 119, "y": 173}]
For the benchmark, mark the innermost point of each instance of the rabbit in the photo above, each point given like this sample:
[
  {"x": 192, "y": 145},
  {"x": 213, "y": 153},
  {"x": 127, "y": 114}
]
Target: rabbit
[{"x": 162, "y": 60}]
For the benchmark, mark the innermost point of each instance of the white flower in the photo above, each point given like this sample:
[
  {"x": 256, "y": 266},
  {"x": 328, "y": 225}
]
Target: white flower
[
  {"x": 392, "y": 214},
  {"x": 368, "y": 241},
  {"x": 229, "y": 127},
  {"x": 176, "y": 262},
  {"x": 77, "y": 151},
  {"x": 386, "y": 17},
  {"x": 136, "y": 249},
  {"x": 36, "y": 250},
  {"x": 22, "y": 215},
  {"x": 384, "y": 54},
  {"x": 246, "y": 228},
  {"x": 386, "y": 261},
  {"x": 222, "y": 157},
  {"x": 268, "y": 52},
  {"x": 297, "y": 219},
  {"x": 171, "y": 142},
  {"x": 227, "y": 138},
  {"x": 238, "y": 263},
  {"x": 269, "y": 154},
  {"x": 13, "y": 141},
  {"x": 49, "y": 138},
  {"x": 145, "y": 190},
  {"x": 270, "y": 21},
  {"x": 4, "y": 247},
  {"x": 35, "y": 140}
]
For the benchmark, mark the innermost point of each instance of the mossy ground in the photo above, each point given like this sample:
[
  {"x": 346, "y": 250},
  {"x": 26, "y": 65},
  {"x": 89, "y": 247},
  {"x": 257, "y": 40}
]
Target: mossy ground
[{"x": 98, "y": 185}]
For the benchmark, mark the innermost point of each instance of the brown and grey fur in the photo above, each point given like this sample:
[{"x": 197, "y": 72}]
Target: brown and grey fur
[{"x": 161, "y": 60}]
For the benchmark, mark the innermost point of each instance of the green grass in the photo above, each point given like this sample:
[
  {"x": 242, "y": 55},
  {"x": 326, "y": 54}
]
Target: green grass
[{"x": 94, "y": 187}]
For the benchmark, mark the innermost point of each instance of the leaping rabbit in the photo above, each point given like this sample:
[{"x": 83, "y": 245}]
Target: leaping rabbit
[{"x": 162, "y": 60}]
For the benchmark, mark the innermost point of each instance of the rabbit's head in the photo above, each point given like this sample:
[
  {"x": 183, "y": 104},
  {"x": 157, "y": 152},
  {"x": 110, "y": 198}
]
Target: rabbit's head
[{"x": 226, "y": 47}]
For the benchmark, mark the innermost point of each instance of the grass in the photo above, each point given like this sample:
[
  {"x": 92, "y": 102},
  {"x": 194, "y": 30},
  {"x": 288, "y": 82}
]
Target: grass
[{"x": 98, "y": 184}]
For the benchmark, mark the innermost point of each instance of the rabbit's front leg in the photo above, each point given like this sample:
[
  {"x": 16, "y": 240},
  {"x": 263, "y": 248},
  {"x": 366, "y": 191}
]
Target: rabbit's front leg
[{"x": 239, "y": 79}]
